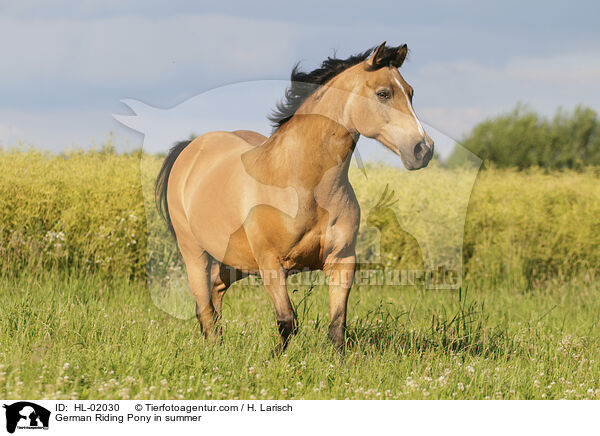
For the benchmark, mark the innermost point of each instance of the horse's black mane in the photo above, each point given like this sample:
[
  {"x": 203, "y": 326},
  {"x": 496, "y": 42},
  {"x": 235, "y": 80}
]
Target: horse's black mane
[{"x": 305, "y": 84}]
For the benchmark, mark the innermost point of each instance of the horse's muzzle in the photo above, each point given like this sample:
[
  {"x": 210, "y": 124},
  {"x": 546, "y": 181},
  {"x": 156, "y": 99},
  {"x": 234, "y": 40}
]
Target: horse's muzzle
[{"x": 422, "y": 154}]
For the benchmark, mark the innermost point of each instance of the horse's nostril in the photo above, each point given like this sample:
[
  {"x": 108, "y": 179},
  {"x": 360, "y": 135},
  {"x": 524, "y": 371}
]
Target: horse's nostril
[{"x": 418, "y": 150}]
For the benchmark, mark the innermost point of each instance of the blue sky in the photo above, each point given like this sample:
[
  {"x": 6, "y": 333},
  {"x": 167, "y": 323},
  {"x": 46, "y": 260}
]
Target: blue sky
[{"x": 68, "y": 64}]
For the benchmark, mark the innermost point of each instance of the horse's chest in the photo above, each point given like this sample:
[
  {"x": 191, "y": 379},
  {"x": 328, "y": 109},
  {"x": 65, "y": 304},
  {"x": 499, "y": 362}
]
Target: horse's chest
[{"x": 326, "y": 231}]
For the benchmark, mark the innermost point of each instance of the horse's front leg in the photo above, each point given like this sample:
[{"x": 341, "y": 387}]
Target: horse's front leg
[
  {"x": 273, "y": 277},
  {"x": 340, "y": 274}
]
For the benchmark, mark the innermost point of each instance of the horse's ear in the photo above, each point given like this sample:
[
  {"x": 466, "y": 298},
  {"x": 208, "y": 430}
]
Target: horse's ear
[
  {"x": 377, "y": 56},
  {"x": 401, "y": 53}
]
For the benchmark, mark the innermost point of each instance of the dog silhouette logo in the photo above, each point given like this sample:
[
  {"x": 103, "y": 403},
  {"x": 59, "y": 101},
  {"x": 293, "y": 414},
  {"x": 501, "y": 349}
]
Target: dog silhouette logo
[{"x": 26, "y": 415}]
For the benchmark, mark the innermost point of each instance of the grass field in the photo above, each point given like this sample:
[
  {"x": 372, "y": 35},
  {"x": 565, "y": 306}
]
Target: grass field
[
  {"x": 77, "y": 320},
  {"x": 66, "y": 337}
]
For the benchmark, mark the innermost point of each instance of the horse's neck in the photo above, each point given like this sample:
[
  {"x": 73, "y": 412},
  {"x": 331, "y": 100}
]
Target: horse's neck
[{"x": 315, "y": 148}]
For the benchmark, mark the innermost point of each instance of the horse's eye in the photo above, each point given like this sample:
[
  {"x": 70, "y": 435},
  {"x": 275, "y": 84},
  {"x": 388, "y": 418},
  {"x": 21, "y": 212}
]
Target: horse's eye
[{"x": 383, "y": 94}]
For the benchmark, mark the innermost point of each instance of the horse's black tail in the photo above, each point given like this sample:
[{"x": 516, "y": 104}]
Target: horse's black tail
[{"x": 162, "y": 181}]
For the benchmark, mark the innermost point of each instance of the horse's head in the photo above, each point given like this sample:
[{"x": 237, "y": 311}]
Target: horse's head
[{"x": 385, "y": 111}]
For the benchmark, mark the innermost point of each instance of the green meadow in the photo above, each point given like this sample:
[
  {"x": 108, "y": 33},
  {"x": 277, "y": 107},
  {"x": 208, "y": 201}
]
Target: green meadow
[{"x": 79, "y": 244}]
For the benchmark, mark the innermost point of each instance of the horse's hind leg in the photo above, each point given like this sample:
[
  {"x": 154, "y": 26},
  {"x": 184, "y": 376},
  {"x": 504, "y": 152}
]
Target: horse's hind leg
[
  {"x": 223, "y": 277},
  {"x": 217, "y": 294},
  {"x": 216, "y": 297},
  {"x": 198, "y": 265}
]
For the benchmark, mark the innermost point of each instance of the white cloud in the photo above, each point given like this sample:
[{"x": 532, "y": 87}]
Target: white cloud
[{"x": 126, "y": 50}]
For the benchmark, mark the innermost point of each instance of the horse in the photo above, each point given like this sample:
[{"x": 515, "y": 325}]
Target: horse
[{"x": 239, "y": 203}]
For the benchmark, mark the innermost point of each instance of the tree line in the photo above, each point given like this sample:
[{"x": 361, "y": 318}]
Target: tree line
[{"x": 522, "y": 138}]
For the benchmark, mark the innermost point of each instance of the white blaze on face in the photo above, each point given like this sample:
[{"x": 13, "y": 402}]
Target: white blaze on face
[{"x": 410, "y": 108}]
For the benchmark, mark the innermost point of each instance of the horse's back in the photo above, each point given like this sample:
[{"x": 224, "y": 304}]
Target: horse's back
[
  {"x": 210, "y": 149},
  {"x": 251, "y": 137}
]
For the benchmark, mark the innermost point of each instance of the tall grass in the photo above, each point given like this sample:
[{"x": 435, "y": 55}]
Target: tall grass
[
  {"x": 68, "y": 337},
  {"x": 80, "y": 211},
  {"x": 83, "y": 212}
]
